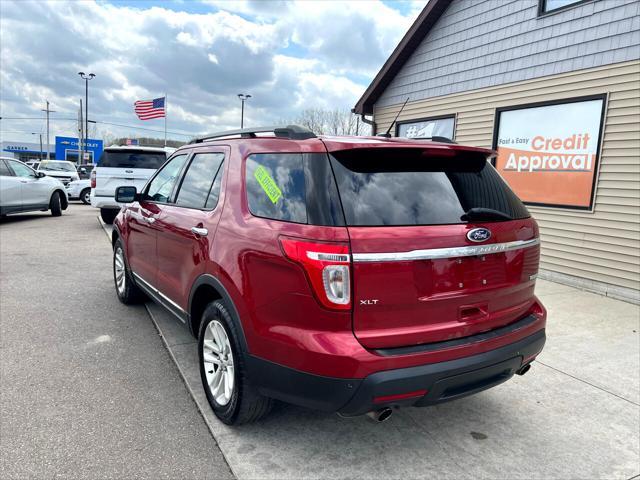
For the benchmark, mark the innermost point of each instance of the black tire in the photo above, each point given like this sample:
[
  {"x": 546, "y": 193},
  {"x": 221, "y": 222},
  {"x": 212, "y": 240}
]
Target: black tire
[
  {"x": 246, "y": 404},
  {"x": 85, "y": 196},
  {"x": 129, "y": 294},
  {"x": 108, "y": 215},
  {"x": 55, "y": 204}
]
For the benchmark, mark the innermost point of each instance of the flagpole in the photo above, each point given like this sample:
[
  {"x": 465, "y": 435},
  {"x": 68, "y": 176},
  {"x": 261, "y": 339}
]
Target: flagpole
[{"x": 166, "y": 105}]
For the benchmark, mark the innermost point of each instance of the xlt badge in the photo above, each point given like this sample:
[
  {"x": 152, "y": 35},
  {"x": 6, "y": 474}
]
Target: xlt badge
[{"x": 369, "y": 302}]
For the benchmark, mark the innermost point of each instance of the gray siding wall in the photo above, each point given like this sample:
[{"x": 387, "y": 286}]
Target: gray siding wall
[{"x": 482, "y": 43}]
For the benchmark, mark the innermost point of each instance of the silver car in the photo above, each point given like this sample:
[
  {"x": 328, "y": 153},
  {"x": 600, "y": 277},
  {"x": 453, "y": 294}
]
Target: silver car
[{"x": 22, "y": 189}]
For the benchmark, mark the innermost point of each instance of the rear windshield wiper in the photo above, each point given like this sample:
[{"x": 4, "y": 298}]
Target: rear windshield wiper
[{"x": 480, "y": 213}]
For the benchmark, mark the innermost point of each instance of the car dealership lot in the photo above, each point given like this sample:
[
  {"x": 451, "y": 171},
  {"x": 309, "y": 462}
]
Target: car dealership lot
[{"x": 89, "y": 389}]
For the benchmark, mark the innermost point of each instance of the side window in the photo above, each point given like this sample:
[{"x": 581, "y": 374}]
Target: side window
[
  {"x": 161, "y": 186},
  {"x": 4, "y": 169},
  {"x": 276, "y": 186},
  {"x": 199, "y": 179},
  {"x": 21, "y": 170}
]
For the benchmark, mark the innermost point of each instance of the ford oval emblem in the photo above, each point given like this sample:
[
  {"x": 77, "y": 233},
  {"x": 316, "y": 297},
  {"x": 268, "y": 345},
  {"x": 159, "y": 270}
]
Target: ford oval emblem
[{"x": 479, "y": 235}]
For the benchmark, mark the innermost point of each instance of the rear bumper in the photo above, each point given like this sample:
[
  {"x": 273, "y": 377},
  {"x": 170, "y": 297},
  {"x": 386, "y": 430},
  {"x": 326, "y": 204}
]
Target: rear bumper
[
  {"x": 435, "y": 382},
  {"x": 104, "y": 202}
]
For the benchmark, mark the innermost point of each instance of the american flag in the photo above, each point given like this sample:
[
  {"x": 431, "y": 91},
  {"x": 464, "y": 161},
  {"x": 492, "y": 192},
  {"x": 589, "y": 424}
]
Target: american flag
[{"x": 148, "y": 109}]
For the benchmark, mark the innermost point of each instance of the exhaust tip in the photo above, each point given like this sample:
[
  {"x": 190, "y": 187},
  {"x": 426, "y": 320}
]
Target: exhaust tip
[
  {"x": 381, "y": 415},
  {"x": 524, "y": 369}
]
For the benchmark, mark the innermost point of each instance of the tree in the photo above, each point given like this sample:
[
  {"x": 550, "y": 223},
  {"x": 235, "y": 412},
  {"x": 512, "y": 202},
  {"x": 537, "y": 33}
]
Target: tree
[{"x": 331, "y": 122}]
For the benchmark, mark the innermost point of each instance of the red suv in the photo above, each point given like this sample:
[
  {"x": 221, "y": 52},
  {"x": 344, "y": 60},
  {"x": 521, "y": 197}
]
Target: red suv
[{"x": 344, "y": 274}]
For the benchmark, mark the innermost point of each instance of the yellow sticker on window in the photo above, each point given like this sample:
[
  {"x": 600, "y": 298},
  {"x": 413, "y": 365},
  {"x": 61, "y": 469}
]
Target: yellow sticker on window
[{"x": 268, "y": 184}]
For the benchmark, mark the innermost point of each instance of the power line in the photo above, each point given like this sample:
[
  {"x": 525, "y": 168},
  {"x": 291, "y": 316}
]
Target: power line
[
  {"x": 103, "y": 123},
  {"x": 147, "y": 129}
]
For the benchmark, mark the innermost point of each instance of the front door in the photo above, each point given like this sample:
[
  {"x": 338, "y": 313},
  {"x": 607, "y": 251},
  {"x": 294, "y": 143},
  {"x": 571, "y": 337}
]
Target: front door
[
  {"x": 187, "y": 226},
  {"x": 143, "y": 221},
  {"x": 34, "y": 191}
]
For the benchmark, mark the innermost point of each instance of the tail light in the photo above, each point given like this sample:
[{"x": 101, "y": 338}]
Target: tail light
[
  {"x": 93, "y": 178},
  {"x": 328, "y": 269}
]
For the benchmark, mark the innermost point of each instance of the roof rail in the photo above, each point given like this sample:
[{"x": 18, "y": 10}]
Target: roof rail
[
  {"x": 433, "y": 139},
  {"x": 292, "y": 132}
]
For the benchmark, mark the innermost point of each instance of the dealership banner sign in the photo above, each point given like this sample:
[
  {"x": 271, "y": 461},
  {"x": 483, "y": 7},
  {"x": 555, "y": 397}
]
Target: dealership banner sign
[{"x": 549, "y": 153}]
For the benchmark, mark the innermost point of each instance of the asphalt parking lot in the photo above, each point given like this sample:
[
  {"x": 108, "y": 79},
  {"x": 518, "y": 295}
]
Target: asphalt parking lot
[{"x": 89, "y": 388}]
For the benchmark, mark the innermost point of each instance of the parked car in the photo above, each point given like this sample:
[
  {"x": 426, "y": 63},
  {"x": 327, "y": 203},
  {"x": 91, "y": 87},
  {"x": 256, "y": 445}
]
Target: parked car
[
  {"x": 343, "y": 274},
  {"x": 22, "y": 189},
  {"x": 60, "y": 169},
  {"x": 84, "y": 170},
  {"x": 79, "y": 190},
  {"x": 121, "y": 165}
]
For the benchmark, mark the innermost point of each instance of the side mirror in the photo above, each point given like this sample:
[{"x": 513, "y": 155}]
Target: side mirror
[
  {"x": 83, "y": 170},
  {"x": 126, "y": 194},
  {"x": 40, "y": 174}
]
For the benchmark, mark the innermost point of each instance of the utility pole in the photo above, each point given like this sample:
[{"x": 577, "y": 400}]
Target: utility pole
[
  {"x": 242, "y": 98},
  {"x": 48, "y": 144}
]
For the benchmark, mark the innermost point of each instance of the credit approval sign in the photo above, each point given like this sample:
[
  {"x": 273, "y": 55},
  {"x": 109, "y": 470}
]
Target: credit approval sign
[{"x": 548, "y": 153}]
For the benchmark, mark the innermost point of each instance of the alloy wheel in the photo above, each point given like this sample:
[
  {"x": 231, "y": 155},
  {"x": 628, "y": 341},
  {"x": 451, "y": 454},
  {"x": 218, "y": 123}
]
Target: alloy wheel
[
  {"x": 218, "y": 362},
  {"x": 119, "y": 270}
]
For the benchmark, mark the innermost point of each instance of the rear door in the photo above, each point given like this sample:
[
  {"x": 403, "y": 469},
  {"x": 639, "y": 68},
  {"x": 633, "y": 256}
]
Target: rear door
[
  {"x": 441, "y": 246},
  {"x": 143, "y": 220},
  {"x": 186, "y": 226},
  {"x": 125, "y": 168}
]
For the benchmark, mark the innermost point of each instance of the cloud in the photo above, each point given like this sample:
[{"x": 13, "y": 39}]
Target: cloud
[{"x": 287, "y": 55}]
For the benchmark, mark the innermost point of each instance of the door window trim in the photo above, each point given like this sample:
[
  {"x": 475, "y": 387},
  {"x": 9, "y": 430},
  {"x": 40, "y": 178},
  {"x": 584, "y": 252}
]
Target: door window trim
[
  {"x": 9, "y": 169},
  {"x": 171, "y": 198},
  {"x": 10, "y": 161},
  {"x": 184, "y": 173}
]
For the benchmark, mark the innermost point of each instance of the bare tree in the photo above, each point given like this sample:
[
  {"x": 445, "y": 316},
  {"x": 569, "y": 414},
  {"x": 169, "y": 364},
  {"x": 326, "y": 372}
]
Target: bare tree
[{"x": 331, "y": 122}]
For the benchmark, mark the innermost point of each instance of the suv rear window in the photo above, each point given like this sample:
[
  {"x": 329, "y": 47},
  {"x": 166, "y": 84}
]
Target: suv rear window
[
  {"x": 406, "y": 187},
  {"x": 132, "y": 159}
]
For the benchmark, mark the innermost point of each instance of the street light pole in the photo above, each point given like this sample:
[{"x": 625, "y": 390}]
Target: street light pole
[
  {"x": 86, "y": 108},
  {"x": 242, "y": 98},
  {"x": 40, "y": 135}
]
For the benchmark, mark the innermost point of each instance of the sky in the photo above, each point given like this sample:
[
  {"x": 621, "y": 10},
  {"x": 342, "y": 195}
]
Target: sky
[{"x": 288, "y": 55}]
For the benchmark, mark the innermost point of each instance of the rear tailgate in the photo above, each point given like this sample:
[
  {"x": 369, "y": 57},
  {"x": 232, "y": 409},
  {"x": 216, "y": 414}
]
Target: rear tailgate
[
  {"x": 418, "y": 277},
  {"x": 126, "y": 167},
  {"x": 108, "y": 179}
]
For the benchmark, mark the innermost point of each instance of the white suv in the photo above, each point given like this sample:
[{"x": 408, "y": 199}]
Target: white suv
[
  {"x": 62, "y": 170},
  {"x": 22, "y": 189},
  {"x": 122, "y": 166}
]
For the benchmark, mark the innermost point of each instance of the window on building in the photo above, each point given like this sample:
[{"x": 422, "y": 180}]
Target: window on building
[
  {"x": 547, "y": 6},
  {"x": 427, "y": 128},
  {"x": 198, "y": 181}
]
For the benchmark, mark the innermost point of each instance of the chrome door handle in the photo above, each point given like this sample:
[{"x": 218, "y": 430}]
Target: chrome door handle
[
  {"x": 201, "y": 232},
  {"x": 149, "y": 219}
]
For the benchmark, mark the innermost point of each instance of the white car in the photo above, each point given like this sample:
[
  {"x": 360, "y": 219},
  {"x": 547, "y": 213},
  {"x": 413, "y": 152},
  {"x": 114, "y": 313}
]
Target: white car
[
  {"x": 22, "y": 189},
  {"x": 79, "y": 189},
  {"x": 122, "y": 166},
  {"x": 62, "y": 170}
]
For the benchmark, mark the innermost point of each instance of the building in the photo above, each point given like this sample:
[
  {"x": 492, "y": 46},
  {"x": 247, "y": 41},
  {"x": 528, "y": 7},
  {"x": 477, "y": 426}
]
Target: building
[
  {"x": 554, "y": 86},
  {"x": 25, "y": 151},
  {"x": 65, "y": 148}
]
